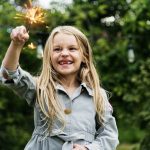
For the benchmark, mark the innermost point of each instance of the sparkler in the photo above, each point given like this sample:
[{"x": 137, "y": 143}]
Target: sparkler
[
  {"x": 31, "y": 46},
  {"x": 32, "y": 15}
]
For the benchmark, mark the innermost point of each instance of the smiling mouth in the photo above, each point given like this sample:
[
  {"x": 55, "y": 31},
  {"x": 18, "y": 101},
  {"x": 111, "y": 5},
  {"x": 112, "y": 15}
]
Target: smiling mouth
[{"x": 65, "y": 62}]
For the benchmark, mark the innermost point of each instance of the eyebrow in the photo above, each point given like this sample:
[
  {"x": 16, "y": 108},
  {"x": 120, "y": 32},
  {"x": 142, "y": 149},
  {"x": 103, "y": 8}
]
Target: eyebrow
[
  {"x": 73, "y": 45},
  {"x": 56, "y": 45},
  {"x": 68, "y": 45}
]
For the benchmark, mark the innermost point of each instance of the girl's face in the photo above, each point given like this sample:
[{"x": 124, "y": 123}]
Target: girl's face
[{"x": 66, "y": 56}]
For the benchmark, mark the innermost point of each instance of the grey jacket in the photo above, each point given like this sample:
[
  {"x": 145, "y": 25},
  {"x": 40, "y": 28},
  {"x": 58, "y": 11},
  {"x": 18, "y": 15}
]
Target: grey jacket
[{"x": 80, "y": 116}]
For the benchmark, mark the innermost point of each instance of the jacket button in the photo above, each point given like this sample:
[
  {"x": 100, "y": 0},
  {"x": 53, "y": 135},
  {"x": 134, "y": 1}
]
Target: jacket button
[{"x": 67, "y": 111}]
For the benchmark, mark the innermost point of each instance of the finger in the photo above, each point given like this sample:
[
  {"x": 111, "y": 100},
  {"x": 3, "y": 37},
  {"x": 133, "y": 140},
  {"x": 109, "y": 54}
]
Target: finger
[
  {"x": 19, "y": 34},
  {"x": 13, "y": 34},
  {"x": 79, "y": 147},
  {"x": 26, "y": 36},
  {"x": 75, "y": 145},
  {"x": 23, "y": 33}
]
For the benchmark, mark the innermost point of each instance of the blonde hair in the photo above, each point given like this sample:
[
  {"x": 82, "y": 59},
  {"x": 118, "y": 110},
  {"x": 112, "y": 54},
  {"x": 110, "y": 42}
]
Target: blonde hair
[{"x": 46, "y": 92}]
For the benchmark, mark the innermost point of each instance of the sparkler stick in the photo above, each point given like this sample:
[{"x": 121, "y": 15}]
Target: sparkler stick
[{"x": 32, "y": 16}]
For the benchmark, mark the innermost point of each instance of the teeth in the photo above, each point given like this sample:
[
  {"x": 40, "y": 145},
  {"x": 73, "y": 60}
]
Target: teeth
[{"x": 62, "y": 63}]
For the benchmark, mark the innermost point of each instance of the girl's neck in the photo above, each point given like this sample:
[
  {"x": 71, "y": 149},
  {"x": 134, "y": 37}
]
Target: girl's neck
[{"x": 70, "y": 84}]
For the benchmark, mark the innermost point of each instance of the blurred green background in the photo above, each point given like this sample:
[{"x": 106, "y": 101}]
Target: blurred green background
[{"x": 119, "y": 32}]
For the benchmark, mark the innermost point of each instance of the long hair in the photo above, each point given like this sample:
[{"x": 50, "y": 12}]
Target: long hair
[{"x": 46, "y": 93}]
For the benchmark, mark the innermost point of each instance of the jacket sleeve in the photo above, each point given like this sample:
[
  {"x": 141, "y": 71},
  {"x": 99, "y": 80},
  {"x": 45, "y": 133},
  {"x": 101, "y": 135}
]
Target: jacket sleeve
[
  {"x": 107, "y": 135},
  {"x": 21, "y": 82}
]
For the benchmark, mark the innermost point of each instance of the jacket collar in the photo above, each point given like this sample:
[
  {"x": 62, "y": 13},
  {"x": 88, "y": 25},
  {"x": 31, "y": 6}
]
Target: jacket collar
[
  {"x": 89, "y": 90},
  {"x": 82, "y": 85}
]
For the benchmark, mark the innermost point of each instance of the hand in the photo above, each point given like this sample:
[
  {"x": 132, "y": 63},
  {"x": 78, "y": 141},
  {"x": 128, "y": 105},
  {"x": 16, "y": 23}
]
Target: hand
[
  {"x": 79, "y": 147},
  {"x": 19, "y": 35}
]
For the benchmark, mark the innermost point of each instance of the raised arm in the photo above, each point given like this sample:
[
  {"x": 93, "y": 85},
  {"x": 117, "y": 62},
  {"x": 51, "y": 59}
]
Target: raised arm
[
  {"x": 19, "y": 36},
  {"x": 13, "y": 76}
]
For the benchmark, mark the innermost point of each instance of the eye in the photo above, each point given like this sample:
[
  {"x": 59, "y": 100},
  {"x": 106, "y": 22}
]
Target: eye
[
  {"x": 72, "y": 49},
  {"x": 58, "y": 49}
]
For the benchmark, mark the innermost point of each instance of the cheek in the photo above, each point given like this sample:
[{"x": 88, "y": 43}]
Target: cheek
[{"x": 52, "y": 61}]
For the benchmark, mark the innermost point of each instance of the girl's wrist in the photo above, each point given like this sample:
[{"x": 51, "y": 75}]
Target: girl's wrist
[{"x": 17, "y": 44}]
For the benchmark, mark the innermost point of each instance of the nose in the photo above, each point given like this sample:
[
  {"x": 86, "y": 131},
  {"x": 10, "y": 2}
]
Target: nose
[{"x": 65, "y": 52}]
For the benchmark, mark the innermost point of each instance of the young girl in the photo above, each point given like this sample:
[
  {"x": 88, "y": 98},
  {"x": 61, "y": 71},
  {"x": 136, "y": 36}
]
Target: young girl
[{"x": 71, "y": 110}]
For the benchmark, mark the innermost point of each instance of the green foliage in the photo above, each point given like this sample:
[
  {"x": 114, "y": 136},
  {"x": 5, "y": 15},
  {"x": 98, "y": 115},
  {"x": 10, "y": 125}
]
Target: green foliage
[
  {"x": 16, "y": 121},
  {"x": 128, "y": 147},
  {"x": 130, "y": 133},
  {"x": 145, "y": 145}
]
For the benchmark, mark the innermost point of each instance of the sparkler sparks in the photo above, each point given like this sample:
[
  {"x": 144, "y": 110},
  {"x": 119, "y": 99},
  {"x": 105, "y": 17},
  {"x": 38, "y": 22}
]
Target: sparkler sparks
[
  {"x": 33, "y": 15},
  {"x": 31, "y": 46}
]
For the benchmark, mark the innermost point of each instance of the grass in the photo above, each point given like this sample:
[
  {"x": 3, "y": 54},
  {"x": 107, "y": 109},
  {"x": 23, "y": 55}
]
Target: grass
[{"x": 128, "y": 147}]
